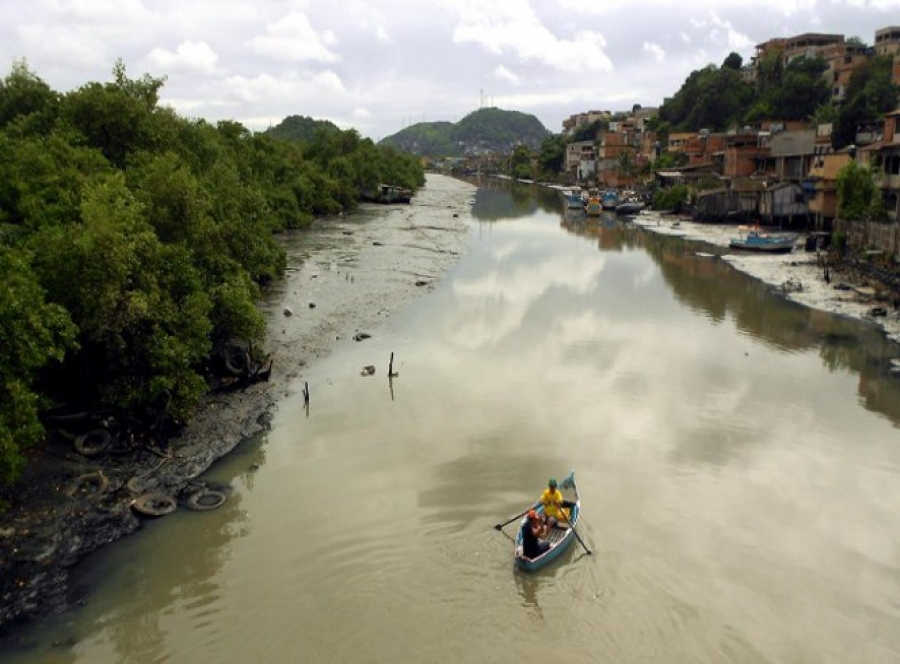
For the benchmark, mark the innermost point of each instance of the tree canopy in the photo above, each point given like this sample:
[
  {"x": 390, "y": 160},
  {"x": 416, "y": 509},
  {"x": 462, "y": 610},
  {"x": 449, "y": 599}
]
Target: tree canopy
[
  {"x": 870, "y": 93},
  {"x": 135, "y": 242}
]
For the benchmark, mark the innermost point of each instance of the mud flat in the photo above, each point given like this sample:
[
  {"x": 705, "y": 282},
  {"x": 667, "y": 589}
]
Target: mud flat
[
  {"x": 345, "y": 277},
  {"x": 799, "y": 275}
]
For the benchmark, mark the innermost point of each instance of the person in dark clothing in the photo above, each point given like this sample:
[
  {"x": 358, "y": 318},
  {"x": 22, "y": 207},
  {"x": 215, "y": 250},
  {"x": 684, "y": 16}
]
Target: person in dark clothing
[{"x": 532, "y": 529}]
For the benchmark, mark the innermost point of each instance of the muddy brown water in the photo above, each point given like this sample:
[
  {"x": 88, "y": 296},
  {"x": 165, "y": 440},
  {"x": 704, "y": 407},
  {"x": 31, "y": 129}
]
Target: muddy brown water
[{"x": 738, "y": 458}]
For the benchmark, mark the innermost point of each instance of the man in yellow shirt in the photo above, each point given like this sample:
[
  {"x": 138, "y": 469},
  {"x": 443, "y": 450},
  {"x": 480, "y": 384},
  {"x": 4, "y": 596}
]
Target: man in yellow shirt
[{"x": 552, "y": 500}]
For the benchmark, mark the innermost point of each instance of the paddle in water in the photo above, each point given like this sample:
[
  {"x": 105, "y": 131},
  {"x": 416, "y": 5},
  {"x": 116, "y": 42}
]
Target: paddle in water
[
  {"x": 574, "y": 532},
  {"x": 499, "y": 526}
]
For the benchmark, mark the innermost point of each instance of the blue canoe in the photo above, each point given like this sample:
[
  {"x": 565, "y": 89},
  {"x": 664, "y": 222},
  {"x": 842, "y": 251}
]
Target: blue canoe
[{"x": 560, "y": 536}]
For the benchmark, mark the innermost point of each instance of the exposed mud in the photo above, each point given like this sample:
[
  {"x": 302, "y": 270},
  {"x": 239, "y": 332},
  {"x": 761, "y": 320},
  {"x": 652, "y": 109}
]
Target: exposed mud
[
  {"x": 345, "y": 277},
  {"x": 801, "y": 276}
]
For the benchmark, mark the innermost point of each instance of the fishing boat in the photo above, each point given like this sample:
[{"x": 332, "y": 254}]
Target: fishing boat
[
  {"x": 755, "y": 239},
  {"x": 387, "y": 193},
  {"x": 560, "y": 536},
  {"x": 574, "y": 199},
  {"x": 630, "y": 206},
  {"x": 594, "y": 206},
  {"x": 610, "y": 199}
]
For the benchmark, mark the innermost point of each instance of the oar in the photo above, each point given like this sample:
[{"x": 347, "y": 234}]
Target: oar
[
  {"x": 499, "y": 526},
  {"x": 571, "y": 480},
  {"x": 574, "y": 532}
]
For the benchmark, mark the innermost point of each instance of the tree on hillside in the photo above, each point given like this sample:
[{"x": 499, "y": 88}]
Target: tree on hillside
[
  {"x": 802, "y": 90},
  {"x": 552, "y": 156},
  {"x": 859, "y": 198},
  {"x": 24, "y": 95},
  {"x": 733, "y": 61},
  {"x": 590, "y": 131},
  {"x": 710, "y": 98},
  {"x": 870, "y": 94}
]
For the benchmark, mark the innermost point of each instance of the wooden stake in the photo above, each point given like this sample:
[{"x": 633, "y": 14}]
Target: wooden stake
[{"x": 391, "y": 373}]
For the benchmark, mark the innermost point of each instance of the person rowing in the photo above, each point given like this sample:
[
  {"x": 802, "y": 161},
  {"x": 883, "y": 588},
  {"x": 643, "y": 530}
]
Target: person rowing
[
  {"x": 533, "y": 529},
  {"x": 556, "y": 510}
]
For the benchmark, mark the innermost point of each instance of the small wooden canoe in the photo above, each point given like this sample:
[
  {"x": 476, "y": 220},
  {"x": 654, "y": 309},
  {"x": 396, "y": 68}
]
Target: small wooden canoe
[{"x": 560, "y": 537}]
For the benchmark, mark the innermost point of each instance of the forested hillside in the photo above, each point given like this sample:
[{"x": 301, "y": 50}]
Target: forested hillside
[
  {"x": 134, "y": 242},
  {"x": 718, "y": 98},
  {"x": 487, "y": 129},
  {"x": 300, "y": 128}
]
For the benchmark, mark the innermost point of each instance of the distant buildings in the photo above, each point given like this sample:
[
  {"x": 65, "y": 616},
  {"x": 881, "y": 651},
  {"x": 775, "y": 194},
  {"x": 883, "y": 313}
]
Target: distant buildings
[{"x": 783, "y": 172}]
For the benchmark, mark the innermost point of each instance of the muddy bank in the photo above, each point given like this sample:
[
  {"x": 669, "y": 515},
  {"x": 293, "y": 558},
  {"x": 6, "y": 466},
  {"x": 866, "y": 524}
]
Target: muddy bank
[
  {"x": 798, "y": 276},
  {"x": 345, "y": 277}
]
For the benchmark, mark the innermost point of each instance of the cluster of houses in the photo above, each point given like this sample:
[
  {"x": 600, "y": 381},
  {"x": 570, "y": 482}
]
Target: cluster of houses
[{"x": 783, "y": 172}]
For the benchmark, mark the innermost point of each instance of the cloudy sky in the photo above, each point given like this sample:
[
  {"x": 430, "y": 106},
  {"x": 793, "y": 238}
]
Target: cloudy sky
[{"x": 380, "y": 65}]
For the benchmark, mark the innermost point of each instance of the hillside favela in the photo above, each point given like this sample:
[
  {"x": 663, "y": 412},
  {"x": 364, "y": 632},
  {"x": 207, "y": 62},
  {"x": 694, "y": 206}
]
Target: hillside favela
[
  {"x": 763, "y": 140},
  {"x": 624, "y": 389}
]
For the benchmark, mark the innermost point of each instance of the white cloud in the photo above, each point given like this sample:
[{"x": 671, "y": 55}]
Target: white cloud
[
  {"x": 510, "y": 27},
  {"x": 293, "y": 38},
  {"x": 188, "y": 57},
  {"x": 655, "y": 50},
  {"x": 505, "y": 74}
]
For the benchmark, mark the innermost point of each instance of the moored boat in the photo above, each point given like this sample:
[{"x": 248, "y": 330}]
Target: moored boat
[
  {"x": 610, "y": 199},
  {"x": 755, "y": 239},
  {"x": 388, "y": 193},
  {"x": 574, "y": 199},
  {"x": 559, "y": 537},
  {"x": 594, "y": 206},
  {"x": 630, "y": 206}
]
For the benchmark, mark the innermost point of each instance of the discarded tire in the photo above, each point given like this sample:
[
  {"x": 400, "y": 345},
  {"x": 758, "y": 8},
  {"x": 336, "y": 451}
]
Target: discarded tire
[
  {"x": 89, "y": 485},
  {"x": 237, "y": 361},
  {"x": 154, "y": 504},
  {"x": 93, "y": 442},
  {"x": 208, "y": 499}
]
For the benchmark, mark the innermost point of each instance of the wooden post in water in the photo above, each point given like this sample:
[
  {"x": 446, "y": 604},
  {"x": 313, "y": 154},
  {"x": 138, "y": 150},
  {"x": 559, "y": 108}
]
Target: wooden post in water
[{"x": 391, "y": 373}]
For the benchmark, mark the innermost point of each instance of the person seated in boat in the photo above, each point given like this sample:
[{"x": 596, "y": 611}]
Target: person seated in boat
[
  {"x": 556, "y": 510},
  {"x": 533, "y": 530}
]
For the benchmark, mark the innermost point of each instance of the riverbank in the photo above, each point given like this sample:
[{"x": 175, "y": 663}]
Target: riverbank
[
  {"x": 799, "y": 276},
  {"x": 345, "y": 277}
]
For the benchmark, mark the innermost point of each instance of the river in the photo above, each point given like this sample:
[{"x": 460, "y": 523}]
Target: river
[{"x": 737, "y": 456}]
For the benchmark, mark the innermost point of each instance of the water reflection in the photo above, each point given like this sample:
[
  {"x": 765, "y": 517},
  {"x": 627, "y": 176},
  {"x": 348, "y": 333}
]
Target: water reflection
[
  {"x": 718, "y": 291},
  {"x": 499, "y": 199}
]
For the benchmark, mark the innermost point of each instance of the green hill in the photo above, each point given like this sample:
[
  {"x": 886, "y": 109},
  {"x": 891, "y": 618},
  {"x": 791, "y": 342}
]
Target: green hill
[
  {"x": 299, "y": 128},
  {"x": 487, "y": 130}
]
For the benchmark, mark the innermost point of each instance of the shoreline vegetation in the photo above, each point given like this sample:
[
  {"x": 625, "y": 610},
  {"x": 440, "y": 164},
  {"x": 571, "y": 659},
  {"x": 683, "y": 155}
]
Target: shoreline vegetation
[
  {"x": 135, "y": 244},
  {"x": 70, "y": 504}
]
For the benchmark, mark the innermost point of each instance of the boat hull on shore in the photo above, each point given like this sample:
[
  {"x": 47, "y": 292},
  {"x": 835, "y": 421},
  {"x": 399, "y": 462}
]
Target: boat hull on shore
[{"x": 762, "y": 242}]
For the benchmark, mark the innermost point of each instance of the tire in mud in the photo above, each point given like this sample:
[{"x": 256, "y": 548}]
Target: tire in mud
[
  {"x": 154, "y": 504},
  {"x": 93, "y": 443},
  {"x": 208, "y": 499}
]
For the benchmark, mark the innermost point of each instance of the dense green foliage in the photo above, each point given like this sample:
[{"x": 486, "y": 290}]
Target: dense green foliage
[
  {"x": 134, "y": 242},
  {"x": 717, "y": 98},
  {"x": 858, "y": 195},
  {"x": 425, "y": 138},
  {"x": 869, "y": 95},
  {"x": 672, "y": 198},
  {"x": 792, "y": 93},
  {"x": 299, "y": 128},
  {"x": 487, "y": 129},
  {"x": 711, "y": 98},
  {"x": 590, "y": 131}
]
